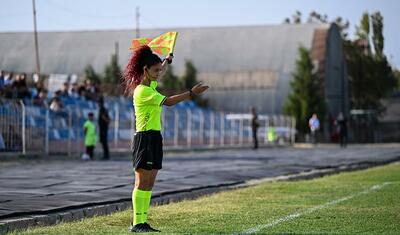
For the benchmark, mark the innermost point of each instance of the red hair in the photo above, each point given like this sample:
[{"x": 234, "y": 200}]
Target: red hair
[{"x": 133, "y": 74}]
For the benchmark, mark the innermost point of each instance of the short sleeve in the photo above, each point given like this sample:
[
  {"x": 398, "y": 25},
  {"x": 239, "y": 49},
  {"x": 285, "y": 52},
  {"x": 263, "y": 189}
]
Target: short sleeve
[{"x": 149, "y": 96}]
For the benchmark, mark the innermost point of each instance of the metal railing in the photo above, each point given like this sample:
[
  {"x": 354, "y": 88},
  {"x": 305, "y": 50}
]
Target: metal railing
[{"x": 29, "y": 129}]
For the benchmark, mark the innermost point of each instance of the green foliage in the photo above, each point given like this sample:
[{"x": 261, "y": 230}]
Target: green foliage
[
  {"x": 396, "y": 74},
  {"x": 91, "y": 74},
  {"x": 112, "y": 71},
  {"x": 377, "y": 37},
  {"x": 371, "y": 77},
  {"x": 362, "y": 32},
  {"x": 306, "y": 95},
  {"x": 315, "y": 17},
  {"x": 296, "y": 18},
  {"x": 170, "y": 81},
  {"x": 189, "y": 79}
]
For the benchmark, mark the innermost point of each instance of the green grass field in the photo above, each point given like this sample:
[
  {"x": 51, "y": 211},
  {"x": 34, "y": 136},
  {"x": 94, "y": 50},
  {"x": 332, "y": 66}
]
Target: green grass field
[{"x": 366, "y": 202}]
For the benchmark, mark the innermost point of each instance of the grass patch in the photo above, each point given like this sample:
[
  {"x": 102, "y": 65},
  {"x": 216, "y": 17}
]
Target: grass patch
[{"x": 377, "y": 212}]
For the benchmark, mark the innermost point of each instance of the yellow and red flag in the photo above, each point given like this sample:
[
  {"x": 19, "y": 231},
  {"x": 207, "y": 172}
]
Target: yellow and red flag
[{"x": 162, "y": 45}]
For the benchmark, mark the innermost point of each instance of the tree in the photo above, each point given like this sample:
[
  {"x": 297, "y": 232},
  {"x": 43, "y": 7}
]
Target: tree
[
  {"x": 170, "y": 81},
  {"x": 315, "y": 17},
  {"x": 189, "y": 79},
  {"x": 377, "y": 37},
  {"x": 397, "y": 77},
  {"x": 112, "y": 71},
  {"x": 362, "y": 32},
  {"x": 371, "y": 77},
  {"x": 91, "y": 74},
  {"x": 305, "y": 97},
  {"x": 296, "y": 18}
]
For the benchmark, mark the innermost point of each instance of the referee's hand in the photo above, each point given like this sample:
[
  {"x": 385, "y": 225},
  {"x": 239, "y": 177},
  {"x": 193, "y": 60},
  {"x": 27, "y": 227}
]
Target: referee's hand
[{"x": 199, "y": 88}]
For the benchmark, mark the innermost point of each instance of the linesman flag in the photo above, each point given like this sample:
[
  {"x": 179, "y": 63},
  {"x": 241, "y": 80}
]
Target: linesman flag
[{"x": 162, "y": 45}]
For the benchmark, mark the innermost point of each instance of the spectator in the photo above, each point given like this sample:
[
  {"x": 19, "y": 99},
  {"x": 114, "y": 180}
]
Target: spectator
[
  {"x": 91, "y": 91},
  {"x": 74, "y": 92},
  {"x": 103, "y": 120},
  {"x": 8, "y": 79},
  {"x": 35, "y": 78},
  {"x": 1, "y": 79},
  {"x": 89, "y": 130},
  {"x": 56, "y": 104},
  {"x": 342, "y": 128},
  {"x": 65, "y": 90},
  {"x": 313, "y": 124},
  {"x": 19, "y": 88},
  {"x": 40, "y": 99},
  {"x": 254, "y": 126}
]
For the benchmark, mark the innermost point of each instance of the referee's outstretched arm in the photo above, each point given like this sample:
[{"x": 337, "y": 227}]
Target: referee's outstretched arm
[{"x": 196, "y": 90}]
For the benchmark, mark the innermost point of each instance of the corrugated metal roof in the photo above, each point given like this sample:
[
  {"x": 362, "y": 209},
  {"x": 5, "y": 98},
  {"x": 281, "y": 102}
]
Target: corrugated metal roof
[{"x": 212, "y": 49}]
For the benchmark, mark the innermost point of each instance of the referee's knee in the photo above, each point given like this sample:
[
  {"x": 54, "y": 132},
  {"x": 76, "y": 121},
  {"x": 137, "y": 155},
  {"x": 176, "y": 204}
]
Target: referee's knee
[{"x": 144, "y": 185}]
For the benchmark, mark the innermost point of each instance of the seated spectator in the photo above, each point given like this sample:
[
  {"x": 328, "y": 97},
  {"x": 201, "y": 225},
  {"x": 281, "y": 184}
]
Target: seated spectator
[
  {"x": 8, "y": 79},
  {"x": 1, "y": 79},
  {"x": 82, "y": 91},
  {"x": 35, "y": 78},
  {"x": 19, "y": 87},
  {"x": 56, "y": 104},
  {"x": 40, "y": 99},
  {"x": 65, "y": 90},
  {"x": 74, "y": 92},
  {"x": 91, "y": 91},
  {"x": 57, "y": 94}
]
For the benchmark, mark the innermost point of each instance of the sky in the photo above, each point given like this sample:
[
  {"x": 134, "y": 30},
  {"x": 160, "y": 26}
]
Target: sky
[{"x": 61, "y": 15}]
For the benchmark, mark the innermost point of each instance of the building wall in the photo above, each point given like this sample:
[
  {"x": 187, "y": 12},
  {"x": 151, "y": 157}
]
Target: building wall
[{"x": 335, "y": 79}]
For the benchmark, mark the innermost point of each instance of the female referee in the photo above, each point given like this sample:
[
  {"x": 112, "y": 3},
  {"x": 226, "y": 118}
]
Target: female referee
[{"x": 140, "y": 76}]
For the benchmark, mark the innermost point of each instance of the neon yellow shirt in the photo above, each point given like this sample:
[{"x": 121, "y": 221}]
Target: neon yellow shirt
[
  {"x": 90, "y": 137},
  {"x": 148, "y": 106}
]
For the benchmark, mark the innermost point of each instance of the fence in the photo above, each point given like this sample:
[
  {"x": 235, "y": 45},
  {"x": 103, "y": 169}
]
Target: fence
[{"x": 30, "y": 129}]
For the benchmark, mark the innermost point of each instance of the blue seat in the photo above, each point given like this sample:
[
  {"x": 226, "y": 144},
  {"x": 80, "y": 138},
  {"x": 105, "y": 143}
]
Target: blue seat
[
  {"x": 66, "y": 133},
  {"x": 54, "y": 135},
  {"x": 40, "y": 121}
]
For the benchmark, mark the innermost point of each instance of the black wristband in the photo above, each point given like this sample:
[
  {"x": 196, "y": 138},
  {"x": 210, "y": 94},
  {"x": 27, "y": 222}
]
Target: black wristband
[{"x": 191, "y": 94}]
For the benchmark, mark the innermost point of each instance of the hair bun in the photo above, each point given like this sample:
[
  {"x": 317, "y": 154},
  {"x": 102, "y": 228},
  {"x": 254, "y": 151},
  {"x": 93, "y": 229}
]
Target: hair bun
[{"x": 144, "y": 50}]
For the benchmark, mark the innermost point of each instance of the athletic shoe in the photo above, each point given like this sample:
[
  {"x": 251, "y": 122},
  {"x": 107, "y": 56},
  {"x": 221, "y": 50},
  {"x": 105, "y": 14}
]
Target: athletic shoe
[
  {"x": 139, "y": 228},
  {"x": 150, "y": 228}
]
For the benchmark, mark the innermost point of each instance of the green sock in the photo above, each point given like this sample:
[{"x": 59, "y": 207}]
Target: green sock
[
  {"x": 139, "y": 200},
  {"x": 147, "y": 205}
]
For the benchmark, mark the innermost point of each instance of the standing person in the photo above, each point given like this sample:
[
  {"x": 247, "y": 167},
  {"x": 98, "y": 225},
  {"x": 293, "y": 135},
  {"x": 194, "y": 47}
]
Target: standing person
[
  {"x": 254, "y": 126},
  {"x": 1, "y": 79},
  {"x": 89, "y": 130},
  {"x": 342, "y": 125},
  {"x": 313, "y": 124},
  {"x": 103, "y": 120},
  {"x": 140, "y": 76}
]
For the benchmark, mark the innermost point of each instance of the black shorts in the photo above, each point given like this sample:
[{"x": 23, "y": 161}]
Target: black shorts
[{"x": 147, "y": 150}]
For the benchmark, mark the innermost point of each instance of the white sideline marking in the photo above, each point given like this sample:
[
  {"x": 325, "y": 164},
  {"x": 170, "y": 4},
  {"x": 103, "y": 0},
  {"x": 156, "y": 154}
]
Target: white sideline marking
[{"x": 311, "y": 210}]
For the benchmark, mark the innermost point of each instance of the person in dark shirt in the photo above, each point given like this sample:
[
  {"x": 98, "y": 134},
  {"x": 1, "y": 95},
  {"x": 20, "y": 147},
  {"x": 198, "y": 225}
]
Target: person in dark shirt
[
  {"x": 254, "y": 126},
  {"x": 342, "y": 126},
  {"x": 104, "y": 120},
  {"x": 65, "y": 90}
]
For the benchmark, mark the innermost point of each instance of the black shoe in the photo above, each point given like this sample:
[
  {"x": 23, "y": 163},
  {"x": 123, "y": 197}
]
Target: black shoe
[
  {"x": 143, "y": 228},
  {"x": 139, "y": 228},
  {"x": 150, "y": 228}
]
